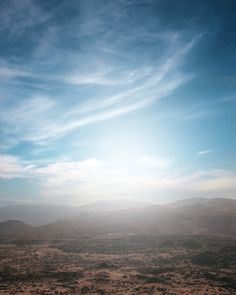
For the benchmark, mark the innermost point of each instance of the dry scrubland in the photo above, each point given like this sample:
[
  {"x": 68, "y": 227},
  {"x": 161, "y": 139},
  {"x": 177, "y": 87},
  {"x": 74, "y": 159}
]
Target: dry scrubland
[{"x": 119, "y": 264}]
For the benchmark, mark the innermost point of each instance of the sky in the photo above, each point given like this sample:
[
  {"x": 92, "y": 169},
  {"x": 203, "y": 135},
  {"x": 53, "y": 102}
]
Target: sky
[{"x": 117, "y": 99}]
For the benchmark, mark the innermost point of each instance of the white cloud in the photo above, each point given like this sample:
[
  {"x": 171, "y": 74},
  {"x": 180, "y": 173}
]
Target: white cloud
[
  {"x": 108, "y": 181},
  {"x": 154, "y": 162},
  {"x": 205, "y": 152},
  {"x": 11, "y": 167},
  {"x": 92, "y": 179}
]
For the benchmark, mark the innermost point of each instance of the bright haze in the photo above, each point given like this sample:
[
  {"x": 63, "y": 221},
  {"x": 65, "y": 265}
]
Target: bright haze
[{"x": 109, "y": 100}]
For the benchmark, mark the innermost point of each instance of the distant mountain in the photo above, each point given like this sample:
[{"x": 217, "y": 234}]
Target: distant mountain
[
  {"x": 36, "y": 214},
  {"x": 106, "y": 206},
  {"x": 195, "y": 216},
  {"x": 14, "y": 228},
  {"x": 190, "y": 201},
  {"x": 44, "y": 214},
  {"x": 222, "y": 204},
  {"x": 215, "y": 216}
]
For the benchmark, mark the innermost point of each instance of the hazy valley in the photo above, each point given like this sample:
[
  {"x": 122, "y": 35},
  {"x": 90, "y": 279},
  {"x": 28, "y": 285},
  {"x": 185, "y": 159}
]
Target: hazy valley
[{"x": 185, "y": 247}]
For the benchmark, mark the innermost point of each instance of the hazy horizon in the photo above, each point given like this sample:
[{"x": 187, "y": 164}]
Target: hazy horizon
[
  {"x": 109, "y": 100},
  {"x": 111, "y": 202}
]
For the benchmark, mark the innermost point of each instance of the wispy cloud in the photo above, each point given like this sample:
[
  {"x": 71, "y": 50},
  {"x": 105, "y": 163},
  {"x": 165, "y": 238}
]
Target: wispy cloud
[
  {"x": 11, "y": 167},
  {"x": 205, "y": 152},
  {"x": 105, "y": 77},
  {"x": 38, "y": 119},
  {"x": 18, "y": 16},
  {"x": 186, "y": 113},
  {"x": 26, "y": 117},
  {"x": 10, "y": 72},
  {"x": 96, "y": 79}
]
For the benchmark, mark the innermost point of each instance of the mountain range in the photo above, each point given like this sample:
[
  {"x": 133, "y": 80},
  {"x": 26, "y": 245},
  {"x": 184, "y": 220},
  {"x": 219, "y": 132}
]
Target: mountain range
[{"x": 191, "y": 216}]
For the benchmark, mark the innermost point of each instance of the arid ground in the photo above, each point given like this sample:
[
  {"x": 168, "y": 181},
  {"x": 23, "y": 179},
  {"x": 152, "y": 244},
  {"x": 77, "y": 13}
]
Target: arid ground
[{"x": 119, "y": 264}]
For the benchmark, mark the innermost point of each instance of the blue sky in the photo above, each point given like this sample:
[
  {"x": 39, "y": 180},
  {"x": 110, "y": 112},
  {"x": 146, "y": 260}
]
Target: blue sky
[{"x": 117, "y": 99}]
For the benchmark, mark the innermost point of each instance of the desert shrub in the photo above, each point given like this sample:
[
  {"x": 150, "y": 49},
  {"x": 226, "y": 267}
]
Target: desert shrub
[
  {"x": 7, "y": 274},
  {"x": 205, "y": 258},
  {"x": 67, "y": 276}
]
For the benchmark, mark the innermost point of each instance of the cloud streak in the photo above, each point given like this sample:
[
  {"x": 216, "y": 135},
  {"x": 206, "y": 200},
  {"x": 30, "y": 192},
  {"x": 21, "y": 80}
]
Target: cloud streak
[
  {"x": 205, "y": 152},
  {"x": 99, "y": 81},
  {"x": 39, "y": 119}
]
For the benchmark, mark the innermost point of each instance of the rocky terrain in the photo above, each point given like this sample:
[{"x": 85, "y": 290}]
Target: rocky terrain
[
  {"x": 186, "y": 247},
  {"x": 119, "y": 264}
]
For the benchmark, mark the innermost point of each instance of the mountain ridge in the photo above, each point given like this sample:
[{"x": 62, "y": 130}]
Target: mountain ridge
[{"x": 212, "y": 216}]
